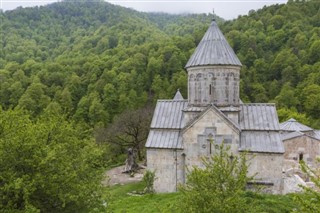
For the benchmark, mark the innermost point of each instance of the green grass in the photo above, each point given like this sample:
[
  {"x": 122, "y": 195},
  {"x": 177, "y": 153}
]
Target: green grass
[
  {"x": 272, "y": 203},
  {"x": 120, "y": 201}
]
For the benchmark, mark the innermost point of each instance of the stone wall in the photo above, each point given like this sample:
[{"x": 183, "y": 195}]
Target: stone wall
[
  {"x": 214, "y": 84},
  {"x": 267, "y": 168},
  {"x": 168, "y": 167},
  {"x": 305, "y": 147},
  {"x": 198, "y": 137}
]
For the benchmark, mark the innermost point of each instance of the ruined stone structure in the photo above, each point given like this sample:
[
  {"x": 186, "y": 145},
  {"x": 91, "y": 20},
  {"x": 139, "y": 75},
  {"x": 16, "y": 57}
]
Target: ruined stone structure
[
  {"x": 182, "y": 130},
  {"x": 301, "y": 143}
]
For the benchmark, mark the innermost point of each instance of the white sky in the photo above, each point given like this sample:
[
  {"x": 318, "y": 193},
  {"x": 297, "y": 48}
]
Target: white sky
[{"x": 227, "y": 9}]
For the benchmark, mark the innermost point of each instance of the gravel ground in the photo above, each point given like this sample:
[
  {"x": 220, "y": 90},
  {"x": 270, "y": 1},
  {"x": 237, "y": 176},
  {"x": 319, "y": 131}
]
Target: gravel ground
[{"x": 115, "y": 176}]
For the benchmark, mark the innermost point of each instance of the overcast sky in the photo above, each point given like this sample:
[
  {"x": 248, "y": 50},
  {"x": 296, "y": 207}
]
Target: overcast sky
[{"x": 227, "y": 9}]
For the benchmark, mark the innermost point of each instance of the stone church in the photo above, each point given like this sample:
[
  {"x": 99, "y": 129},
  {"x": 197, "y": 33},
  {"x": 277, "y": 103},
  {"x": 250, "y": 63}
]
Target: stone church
[{"x": 182, "y": 129}]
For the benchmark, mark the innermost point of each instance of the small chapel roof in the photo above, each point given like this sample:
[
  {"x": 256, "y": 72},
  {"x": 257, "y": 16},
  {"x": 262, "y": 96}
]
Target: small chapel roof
[
  {"x": 178, "y": 96},
  {"x": 293, "y": 125},
  {"x": 317, "y": 134},
  {"x": 291, "y": 135},
  {"x": 213, "y": 49}
]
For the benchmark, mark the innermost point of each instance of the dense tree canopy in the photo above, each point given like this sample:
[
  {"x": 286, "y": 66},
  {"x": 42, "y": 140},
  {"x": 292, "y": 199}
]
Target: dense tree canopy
[
  {"x": 278, "y": 46},
  {"x": 48, "y": 165},
  {"x": 93, "y": 60}
]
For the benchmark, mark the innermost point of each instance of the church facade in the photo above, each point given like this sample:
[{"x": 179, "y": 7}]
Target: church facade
[{"x": 182, "y": 129}]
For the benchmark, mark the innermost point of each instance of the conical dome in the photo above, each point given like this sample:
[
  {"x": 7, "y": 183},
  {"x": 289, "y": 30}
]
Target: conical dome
[{"x": 213, "y": 49}]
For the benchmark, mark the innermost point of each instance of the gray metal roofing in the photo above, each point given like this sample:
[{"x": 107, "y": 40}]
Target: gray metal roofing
[
  {"x": 213, "y": 49},
  {"x": 258, "y": 122},
  {"x": 165, "y": 139},
  {"x": 317, "y": 134},
  {"x": 258, "y": 117},
  {"x": 168, "y": 114},
  {"x": 178, "y": 96},
  {"x": 293, "y": 125},
  {"x": 261, "y": 141},
  {"x": 290, "y": 135}
]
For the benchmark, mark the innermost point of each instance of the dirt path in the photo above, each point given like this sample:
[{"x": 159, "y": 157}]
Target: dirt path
[{"x": 115, "y": 176}]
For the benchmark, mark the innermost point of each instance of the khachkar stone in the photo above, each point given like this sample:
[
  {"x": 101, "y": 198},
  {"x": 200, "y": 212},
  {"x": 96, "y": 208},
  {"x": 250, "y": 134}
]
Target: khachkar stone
[
  {"x": 131, "y": 165},
  {"x": 213, "y": 72}
]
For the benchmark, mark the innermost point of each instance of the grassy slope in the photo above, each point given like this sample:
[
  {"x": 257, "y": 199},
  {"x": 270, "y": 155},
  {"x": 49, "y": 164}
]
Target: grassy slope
[{"x": 121, "y": 202}]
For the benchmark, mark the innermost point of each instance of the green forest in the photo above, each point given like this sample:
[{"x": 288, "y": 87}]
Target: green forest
[
  {"x": 88, "y": 71},
  {"x": 94, "y": 60}
]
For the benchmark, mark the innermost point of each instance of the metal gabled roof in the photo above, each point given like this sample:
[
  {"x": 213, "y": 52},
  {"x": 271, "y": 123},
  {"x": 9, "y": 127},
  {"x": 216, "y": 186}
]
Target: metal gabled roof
[
  {"x": 290, "y": 135},
  {"x": 316, "y": 134},
  {"x": 167, "y": 123},
  {"x": 293, "y": 125},
  {"x": 261, "y": 141},
  {"x": 168, "y": 114},
  {"x": 259, "y": 116},
  {"x": 213, "y": 49},
  {"x": 164, "y": 139}
]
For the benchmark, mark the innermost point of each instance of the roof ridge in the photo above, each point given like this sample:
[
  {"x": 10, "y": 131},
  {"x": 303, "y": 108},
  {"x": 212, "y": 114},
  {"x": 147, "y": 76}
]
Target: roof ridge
[
  {"x": 255, "y": 104},
  {"x": 172, "y": 100}
]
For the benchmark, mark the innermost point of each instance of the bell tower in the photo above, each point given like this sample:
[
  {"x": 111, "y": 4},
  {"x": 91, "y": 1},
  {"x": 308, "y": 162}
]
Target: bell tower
[{"x": 213, "y": 72}]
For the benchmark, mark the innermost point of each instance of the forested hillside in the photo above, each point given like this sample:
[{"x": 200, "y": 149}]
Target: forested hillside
[
  {"x": 279, "y": 47},
  {"x": 93, "y": 60},
  {"x": 71, "y": 67}
]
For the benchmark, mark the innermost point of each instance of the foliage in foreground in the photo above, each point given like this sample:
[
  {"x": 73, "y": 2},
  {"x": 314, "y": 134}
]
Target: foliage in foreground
[
  {"x": 148, "y": 179},
  {"x": 220, "y": 186},
  {"x": 310, "y": 200},
  {"x": 47, "y": 165}
]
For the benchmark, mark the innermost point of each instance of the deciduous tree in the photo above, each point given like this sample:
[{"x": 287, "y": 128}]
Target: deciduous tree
[
  {"x": 309, "y": 200},
  {"x": 219, "y": 186},
  {"x": 48, "y": 165},
  {"x": 128, "y": 130}
]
